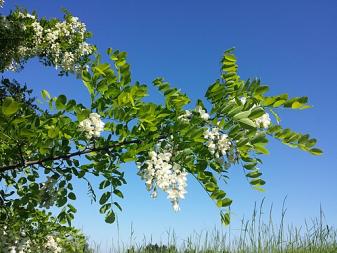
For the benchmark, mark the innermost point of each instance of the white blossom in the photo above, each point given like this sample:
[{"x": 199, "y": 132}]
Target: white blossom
[
  {"x": 38, "y": 30},
  {"x": 263, "y": 121},
  {"x": 2, "y": 2},
  {"x": 203, "y": 114},
  {"x": 52, "y": 245},
  {"x": 217, "y": 143},
  {"x": 243, "y": 100},
  {"x": 161, "y": 171},
  {"x": 25, "y": 15},
  {"x": 12, "y": 249},
  {"x": 154, "y": 194},
  {"x": 92, "y": 126},
  {"x": 19, "y": 243},
  {"x": 186, "y": 117},
  {"x": 49, "y": 42},
  {"x": 176, "y": 206}
]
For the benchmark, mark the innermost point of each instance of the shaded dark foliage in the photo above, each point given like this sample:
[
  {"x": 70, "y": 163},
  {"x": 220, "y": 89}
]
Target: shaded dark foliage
[{"x": 20, "y": 93}]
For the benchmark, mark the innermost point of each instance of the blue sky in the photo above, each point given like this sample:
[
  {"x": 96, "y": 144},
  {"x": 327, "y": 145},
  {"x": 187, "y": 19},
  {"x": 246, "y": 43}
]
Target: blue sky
[{"x": 290, "y": 45}]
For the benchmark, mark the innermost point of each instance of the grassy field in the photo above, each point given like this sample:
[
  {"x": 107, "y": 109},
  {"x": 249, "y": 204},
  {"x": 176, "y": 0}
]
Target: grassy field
[{"x": 255, "y": 235}]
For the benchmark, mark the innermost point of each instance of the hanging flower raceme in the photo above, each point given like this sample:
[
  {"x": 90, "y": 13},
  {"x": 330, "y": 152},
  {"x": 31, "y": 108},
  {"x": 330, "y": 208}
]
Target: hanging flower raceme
[
  {"x": 218, "y": 143},
  {"x": 62, "y": 43},
  {"x": 92, "y": 126},
  {"x": 161, "y": 171}
]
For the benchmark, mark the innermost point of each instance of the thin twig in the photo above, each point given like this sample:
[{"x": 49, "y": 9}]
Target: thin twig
[{"x": 65, "y": 156}]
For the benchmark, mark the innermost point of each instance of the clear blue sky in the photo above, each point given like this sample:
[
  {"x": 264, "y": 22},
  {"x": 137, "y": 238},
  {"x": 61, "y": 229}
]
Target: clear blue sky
[{"x": 291, "y": 45}]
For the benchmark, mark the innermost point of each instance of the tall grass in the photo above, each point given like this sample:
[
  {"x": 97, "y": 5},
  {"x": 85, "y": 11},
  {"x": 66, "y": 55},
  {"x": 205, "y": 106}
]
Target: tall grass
[{"x": 255, "y": 235}]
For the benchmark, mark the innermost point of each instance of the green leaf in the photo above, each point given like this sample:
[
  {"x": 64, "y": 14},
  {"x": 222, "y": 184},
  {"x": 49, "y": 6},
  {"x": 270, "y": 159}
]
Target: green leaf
[
  {"x": 218, "y": 194},
  {"x": 316, "y": 151},
  {"x": 104, "y": 184},
  {"x": 53, "y": 133},
  {"x": 235, "y": 110},
  {"x": 261, "y": 90},
  {"x": 82, "y": 114},
  {"x": 62, "y": 217},
  {"x": 250, "y": 166},
  {"x": 110, "y": 217},
  {"x": 86, "y": 78},
  {"x": 104, "y": 198},
  {"x": 72, "y": 208},
  {"x": 230, "y": 58},
  {"x": 242, "y": 142},
  {"x": 61, "y": 201},
  {"x": 26, "y": 132},
  {"x": 241, "y": 115},
  {"x": 118, "y": 193},
  {"x": 254, "y": 174},
  {"x": 105, "y": 208},
  {"x": 257, "y": 182},
  {"x": 225, "y": 218},
  {"x": 45, "y": 94},
  {"x": 10, "y": 106},
  {"x": 118, "y": 206},
  {"x": 259, "y": 138},
  {"x": 72, "y": 196},
  {"x": 70, "y": 105},
  {"x": 211, "y": 187},
  {"x": 277, "y": 117},
  {"x": 278, "y": 103},
  {"x": 297, "y": 103},
  {"x": 61, "y": 102},
  {"x": 247, "y": 123},
  {"x": 261, "y": 149},
  {"x": 256, "y": 112},
  {"x": 224, "y": 202}
]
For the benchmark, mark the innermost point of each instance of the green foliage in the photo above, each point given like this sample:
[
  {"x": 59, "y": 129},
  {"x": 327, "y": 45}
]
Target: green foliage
[
  {"x": 32, "y": 230},
  {"x": 39, "y": 150},
  {"x": 53, "y": 140}
]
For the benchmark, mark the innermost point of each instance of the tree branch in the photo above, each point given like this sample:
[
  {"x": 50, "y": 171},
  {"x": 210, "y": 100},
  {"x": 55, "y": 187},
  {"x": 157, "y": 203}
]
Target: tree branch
[{"x": 64, "y": 157}]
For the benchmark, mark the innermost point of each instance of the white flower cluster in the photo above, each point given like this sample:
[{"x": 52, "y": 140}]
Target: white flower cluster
[
  {"x": 92, "y": 126},
  {"x": 11, "y": 243},
  {"x": 54, "y": 42},
  {"x": 263, "y": 120},
  {"x": 186, "y": 117},
  {"x": 203, "y": 114},
  {"x": 2, "y": 2},
  {"x": 217, "y": 143},
  {"x": 52, "y": 245},
  {"x": 162, "y": 172}
]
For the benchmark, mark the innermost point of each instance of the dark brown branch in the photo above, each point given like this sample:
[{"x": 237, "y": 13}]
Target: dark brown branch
[{"x": 65, "y": 156}]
